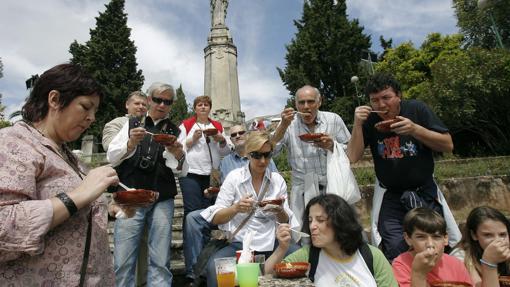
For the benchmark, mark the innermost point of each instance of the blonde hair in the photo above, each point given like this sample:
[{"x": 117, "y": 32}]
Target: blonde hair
[{"x": 256, "y": 139}]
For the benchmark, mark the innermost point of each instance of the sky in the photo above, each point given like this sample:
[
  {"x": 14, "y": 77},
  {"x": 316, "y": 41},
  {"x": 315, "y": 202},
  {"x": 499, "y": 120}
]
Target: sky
[{"x": 171, "y": 34}]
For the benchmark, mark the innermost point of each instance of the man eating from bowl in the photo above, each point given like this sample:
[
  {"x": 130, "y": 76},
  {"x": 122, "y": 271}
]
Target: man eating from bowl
[
  {"x": 308, "y": 160},
  {"x": 403, "y": 160}
]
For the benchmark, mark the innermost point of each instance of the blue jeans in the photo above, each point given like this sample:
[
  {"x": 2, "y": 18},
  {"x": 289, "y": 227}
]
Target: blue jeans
[
  {"x": 230, "y": 251},
  {"x": 196, "y": 233},
  {"x": 127, "y": 236},
  {"x": 192, "y": 187}
]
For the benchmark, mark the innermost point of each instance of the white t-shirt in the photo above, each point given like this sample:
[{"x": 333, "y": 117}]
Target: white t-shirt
[{"x": 351, "y": 272}]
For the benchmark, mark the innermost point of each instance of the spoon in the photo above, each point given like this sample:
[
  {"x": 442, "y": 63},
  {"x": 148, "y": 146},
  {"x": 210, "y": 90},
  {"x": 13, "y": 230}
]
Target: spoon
[
  {"x": 125, "y": 186},
  {"x": 379, "y": 112},
  {"x": 302, "y": 234},
  {"x": 301, "y": 113},
  {"x": 149, "y": 133}
]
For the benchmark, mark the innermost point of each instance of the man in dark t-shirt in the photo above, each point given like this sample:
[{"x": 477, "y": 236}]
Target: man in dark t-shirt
[{"x": 402, "y": 135}]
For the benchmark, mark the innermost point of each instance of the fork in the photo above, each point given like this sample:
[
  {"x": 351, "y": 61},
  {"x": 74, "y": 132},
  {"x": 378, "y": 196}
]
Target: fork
[{"x": 296, "y": 231}]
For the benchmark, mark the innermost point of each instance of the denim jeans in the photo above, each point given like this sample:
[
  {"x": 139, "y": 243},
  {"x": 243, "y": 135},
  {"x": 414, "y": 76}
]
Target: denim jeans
[
  {"x": 193, "y": 186},
  {"x": 230, "y": 251},
  {"x": 127, "y": 237},
  {"x": 197, "y": 233}
]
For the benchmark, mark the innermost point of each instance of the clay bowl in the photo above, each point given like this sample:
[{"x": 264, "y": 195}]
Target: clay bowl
[
  {"x": 291, "y": 270},
  {"x": 213, "y": 190},
  {"x": 276, "y": 201},
  {"x": 135, "y": 197},
  {"x": 449, "y": 284},
  {"x": 210, "y": 132},
  {"x": 164, "y": 139},
  {"x": 311, "y": 137},
  {"x": 384, "y": 126},
  {"x": 504, "y": 281}
]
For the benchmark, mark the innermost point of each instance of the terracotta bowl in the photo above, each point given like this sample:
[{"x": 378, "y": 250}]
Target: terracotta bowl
[
  {"x": 210, "y": 132},
  {"x": 504, "y": 281},
  {"x": 213, "y": 190},
  {"x": 449, "y": 284},
  {"x": 291, "y": 270},
  {"x": 384, "y": 126},
  {"x": 135, "y": 197},
  {"x": 276, "y": 201},
  {"x": 311, "y": 137},
  {"x": 164, "y": 139}
]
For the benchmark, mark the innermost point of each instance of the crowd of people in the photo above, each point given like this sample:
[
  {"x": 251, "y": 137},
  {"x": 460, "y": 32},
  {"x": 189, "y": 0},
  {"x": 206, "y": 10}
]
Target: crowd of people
[{"x": 53, "y": 211}]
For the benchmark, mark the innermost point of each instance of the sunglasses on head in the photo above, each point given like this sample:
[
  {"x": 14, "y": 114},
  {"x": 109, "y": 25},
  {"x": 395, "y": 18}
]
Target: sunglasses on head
[
  {"x": 160, "y": 100},
  {"x": 239, "y": 133},
  {"x": 259, "y": 155}
]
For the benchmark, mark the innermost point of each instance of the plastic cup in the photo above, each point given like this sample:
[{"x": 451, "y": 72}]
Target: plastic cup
[
  {"x": 248, "y": 274},
  {"x": 225, "y": 271},
  {"x": 261, "y": 260}
]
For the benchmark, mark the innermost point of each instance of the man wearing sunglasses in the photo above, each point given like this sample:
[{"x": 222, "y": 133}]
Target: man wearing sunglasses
[
  {"x": 143, "y": 163},
  {"x": 308, "y": 161},
  {"x": 198, "y": 230}
]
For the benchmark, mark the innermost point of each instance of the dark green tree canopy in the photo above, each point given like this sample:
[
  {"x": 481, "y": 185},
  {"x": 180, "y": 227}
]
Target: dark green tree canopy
[
  {"x": 179, "y": 110},
  {"x": 325, "y": 52},
  {"x": 110, "y": 57},
  {"x": 475, "y": 22}
]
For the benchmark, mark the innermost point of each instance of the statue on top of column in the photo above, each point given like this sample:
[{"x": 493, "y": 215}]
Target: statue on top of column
[{"x": 219, "y": 12}]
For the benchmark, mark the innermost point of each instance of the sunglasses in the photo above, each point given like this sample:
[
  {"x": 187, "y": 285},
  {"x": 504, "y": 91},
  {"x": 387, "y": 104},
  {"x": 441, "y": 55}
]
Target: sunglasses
[
  {"x": 259, "y": 155},
  {"x": 239, "y": 133},
  {"x": 160, "y": 100}
]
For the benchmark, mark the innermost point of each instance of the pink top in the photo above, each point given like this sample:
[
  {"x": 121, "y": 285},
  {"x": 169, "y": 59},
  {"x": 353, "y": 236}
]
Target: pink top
[
  {"x": 31, "y": 173},
  {"x": 448, "y": 268}
]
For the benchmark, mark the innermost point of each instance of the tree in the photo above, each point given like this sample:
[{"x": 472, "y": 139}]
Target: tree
[
  {"x": 180, "y": 107},
  {"x": 325, "y": 52},
  {"x": 386, "y": 45},
  {"x": 109, "y": 56},
  {"x": 475, "y": 22}
]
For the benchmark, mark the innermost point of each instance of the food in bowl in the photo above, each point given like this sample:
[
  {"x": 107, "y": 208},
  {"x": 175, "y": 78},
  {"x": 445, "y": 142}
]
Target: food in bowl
[
  {"x": 164, "y": 139},
  {"x": 504, "y": 281},
  {"x": 276, "y": 201},
  {"x": 384, "y": 126},
  {"x": 311, "y": 137},
  {"x": 135, "y": 197},
  {"x": 213, "y": 190},
  {"x": 210, "y": 132},
  {"x": 292, "y": 269},
  {"x": 449, "y": 284}
]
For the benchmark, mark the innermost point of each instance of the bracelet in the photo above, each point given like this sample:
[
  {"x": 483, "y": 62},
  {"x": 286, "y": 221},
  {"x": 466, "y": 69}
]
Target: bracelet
[
  {"x": 488, "y": 264},
  {"x": 68, "y": 203}
]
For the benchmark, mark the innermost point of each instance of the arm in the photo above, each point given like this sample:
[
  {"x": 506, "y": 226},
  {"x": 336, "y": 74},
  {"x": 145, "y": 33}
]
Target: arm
[
  {"x": 124, "y": 144},
  {"x": 382, "y": 269},
  {"x": 110, "y": 130},
  {"x": 224, "y": 215},
  {"x": 356, "y": 145},
  {"x": 496, "y": 252},
  {"x": 283, "y": 236},
  {"x": 287, "y": 117}
]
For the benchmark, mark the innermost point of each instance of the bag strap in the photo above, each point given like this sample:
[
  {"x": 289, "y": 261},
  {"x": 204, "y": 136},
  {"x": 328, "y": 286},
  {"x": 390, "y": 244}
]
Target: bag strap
[
  {"x": 364, "y": 250},
  {"x": 83, "y": 269},
  {"x": 245, "y": 220}
]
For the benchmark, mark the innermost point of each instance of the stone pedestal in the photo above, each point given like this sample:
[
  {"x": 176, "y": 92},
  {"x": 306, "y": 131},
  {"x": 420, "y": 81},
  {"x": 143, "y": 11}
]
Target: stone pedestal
[{"x": 88, "y": 148}]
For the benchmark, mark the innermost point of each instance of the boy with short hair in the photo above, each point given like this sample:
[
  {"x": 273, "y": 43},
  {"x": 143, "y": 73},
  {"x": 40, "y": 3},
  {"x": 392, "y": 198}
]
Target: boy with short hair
[{"x": 425, "y": 262}]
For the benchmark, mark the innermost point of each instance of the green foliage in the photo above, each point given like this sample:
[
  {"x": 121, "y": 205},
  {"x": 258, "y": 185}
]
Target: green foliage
[
  {"x": 109, "y": 56},
  {"x": 281, "y": 161},
  {"x": 325, "y": 52},
  {"x": 475, "y": 23},
  {"x": 179, "y": 110}
]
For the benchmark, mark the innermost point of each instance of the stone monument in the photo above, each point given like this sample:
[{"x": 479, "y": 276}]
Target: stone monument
[{"x": 221, "y": 82}]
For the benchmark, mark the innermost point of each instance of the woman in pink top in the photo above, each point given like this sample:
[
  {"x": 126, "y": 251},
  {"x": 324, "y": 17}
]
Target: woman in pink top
[{"x": 50, "y": 212}]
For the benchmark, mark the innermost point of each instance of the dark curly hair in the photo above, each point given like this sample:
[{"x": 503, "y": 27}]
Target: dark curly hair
[
  {"x": 70, "y": 80},
  {"x": 382, "y": 81},
  {"x": 472, "y": 247},
  {"x": 341, "y": 218}
]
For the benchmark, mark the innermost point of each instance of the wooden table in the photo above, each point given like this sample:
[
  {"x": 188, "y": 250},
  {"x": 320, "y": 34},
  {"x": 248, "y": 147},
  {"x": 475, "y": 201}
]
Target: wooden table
[{"x": 270, "y": 281}]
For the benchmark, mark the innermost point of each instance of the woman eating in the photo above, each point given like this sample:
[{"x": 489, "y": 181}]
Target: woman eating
[{"x": 52, "y": 217}]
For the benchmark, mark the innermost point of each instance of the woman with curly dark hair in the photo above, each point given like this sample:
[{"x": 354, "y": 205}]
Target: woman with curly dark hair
[{"x": 338, "y": 252}]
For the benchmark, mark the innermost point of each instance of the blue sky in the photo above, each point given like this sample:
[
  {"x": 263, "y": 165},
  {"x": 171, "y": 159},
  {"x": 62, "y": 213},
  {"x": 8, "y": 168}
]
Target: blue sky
[{"x": 171, "y": 35}]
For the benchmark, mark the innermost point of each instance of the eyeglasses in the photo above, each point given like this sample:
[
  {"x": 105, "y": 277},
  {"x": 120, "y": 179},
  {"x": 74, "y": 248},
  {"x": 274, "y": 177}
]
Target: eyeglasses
[
  {"x": 160, "y": 100},
  {"x": 239, "y": 133},
  {"x": 259, "y": 155}
]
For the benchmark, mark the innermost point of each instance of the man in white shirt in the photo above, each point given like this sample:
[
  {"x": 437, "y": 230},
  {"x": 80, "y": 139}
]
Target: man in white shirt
[{"x": 145, "y": 164}]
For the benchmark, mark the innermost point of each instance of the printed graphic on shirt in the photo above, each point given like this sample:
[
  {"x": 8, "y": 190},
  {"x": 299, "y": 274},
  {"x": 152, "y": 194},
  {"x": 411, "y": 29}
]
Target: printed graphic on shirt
[
  {"x": 347, "y": 280},
  {"x": 389, "y": 148}
]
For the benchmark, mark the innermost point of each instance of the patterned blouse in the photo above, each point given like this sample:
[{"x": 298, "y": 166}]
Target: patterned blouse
[{"x": 31, "y": 254}]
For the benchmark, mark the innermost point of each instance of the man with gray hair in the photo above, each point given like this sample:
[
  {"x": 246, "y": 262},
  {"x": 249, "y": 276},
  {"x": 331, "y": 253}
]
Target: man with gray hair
[
  {"x": 308, "y": 159},
  {"x": 142, "y": 163}
]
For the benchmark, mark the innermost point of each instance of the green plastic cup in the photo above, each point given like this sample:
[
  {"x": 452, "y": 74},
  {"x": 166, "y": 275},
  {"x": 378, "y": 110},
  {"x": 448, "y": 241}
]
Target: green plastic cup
[{"x": 248, "y": 274}]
